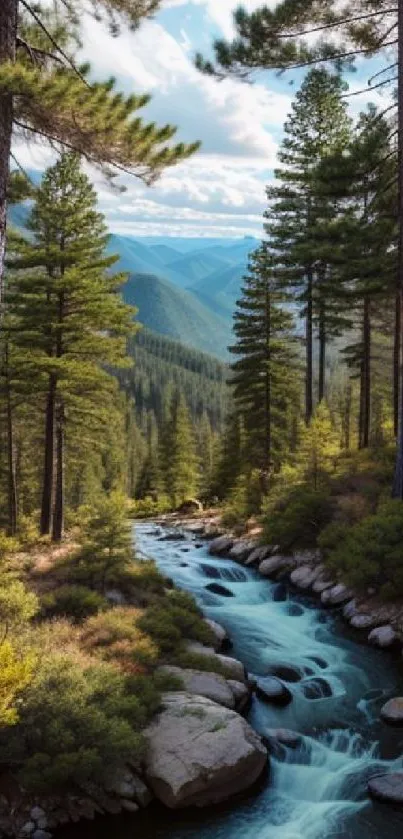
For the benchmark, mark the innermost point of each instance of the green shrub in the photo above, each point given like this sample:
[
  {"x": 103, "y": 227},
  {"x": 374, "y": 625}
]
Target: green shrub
[
  {"x": 172, "y": 619},
  {"x": 296, "y": 519},
  {"x": 244, "y": 501},
  {"x": 72, "y": 601},
  {"x": 76, "y": 724},
  {"x": 150, "y": 507},
  {"x": 370, "y": 554},
  {"x": 198, "y": 661},
  {"x": 107, "y": 545},
  {"x": 118, "y": 638}
]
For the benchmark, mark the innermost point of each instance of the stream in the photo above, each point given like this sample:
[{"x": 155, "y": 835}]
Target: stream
[{"x": 317, "y": 790}]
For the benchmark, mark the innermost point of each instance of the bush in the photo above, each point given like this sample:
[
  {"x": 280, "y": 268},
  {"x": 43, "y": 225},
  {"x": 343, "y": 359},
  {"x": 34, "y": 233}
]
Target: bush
[
  {"x": 17, "y": 604},
  {"x": 370, "y": 553},
  {"x": 107, "y": 545},
  {"x": 172, "y": 619},
  {"x": 296, "y": 519},
  {"x": 76, "y": 724},
  {"x": 244, "y": 501},
  {"x": 150, "y": 507},
  {"x": 116, "y": 636},
  {"x": 72, "y": 601}
]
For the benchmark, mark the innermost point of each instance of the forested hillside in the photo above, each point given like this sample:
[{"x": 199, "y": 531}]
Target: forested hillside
[{"x": 161, "y": 364}]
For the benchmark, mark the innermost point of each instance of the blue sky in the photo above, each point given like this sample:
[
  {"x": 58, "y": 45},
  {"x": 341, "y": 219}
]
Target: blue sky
[{"x": 221, "y": 190}]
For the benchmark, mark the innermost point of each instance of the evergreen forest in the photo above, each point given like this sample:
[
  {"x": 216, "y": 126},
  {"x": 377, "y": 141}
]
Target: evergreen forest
[{"x": 248, "y": 390}]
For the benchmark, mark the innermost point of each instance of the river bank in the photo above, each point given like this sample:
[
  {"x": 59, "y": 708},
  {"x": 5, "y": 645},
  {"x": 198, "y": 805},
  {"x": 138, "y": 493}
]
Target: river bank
[
  {"x": 318, "y": 784},
  {"x": 278, "y": 637}
]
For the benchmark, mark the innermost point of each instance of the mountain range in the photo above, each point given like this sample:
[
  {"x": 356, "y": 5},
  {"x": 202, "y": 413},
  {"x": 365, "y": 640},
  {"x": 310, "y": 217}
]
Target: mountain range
[{"x": 183, "y": 288}]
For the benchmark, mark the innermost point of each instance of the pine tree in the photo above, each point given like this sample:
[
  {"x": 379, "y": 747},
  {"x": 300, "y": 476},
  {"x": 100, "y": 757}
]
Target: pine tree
[
  {"x": 70, "y": 315},
  {"x": 268, "y": 39},
  {"x": 206, "y": 449},
  {"x": 44, "y": 93},
  {"x": 319, "y": 446},
  {"x": 182, "y": 469},
  {"x": 263, "y": 375},
  {"x": 316, "y": 128}
]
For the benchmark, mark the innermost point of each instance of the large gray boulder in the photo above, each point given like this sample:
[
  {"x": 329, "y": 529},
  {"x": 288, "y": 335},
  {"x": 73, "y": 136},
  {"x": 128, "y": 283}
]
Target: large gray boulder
[
  {"x": 392, "y": 711},
  {"x": 258, "y": 555},
  {"x": 387, "y": 788},
  {"x": 271, "y": 567},
  {"x": 221, "y": 637},
  {"x": 220, "y": 546},
  {"x": 200, "y": 753},
  {"x": 242, "y": 695},
  {"x": 322, "y": 583},
  {"x": 336, "y": 596},
  {"x": 272, "y": 690},
  {"x": 198, "y": 682},
  {"x": 233, "y": 669},
  {"x": 383, "y": 637},
  {"x": 240, "y": 551},
  {"x": 304, "y": 576}
]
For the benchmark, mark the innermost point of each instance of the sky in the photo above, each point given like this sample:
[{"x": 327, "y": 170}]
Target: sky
[{"x": 220, "y": 191}]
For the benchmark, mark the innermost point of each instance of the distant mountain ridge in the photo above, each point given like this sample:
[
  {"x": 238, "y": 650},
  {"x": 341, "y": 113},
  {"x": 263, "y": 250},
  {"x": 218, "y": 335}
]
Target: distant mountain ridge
[{"x": 184, "y": 288}]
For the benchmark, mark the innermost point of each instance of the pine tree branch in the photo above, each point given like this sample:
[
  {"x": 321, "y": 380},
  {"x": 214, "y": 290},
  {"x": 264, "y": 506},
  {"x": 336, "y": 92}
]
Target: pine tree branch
[
  {"x": 342, "y": 22},
  {"x": 369, "y": 88},
  {"x": 33, "y": 52},
  {"x": 78, "y": 150},
  {"x": 381, "y": 72},
  {"x": 54, "y": 43}
]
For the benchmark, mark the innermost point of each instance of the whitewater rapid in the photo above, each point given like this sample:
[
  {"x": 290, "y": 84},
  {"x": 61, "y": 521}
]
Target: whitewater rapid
[{"x": 317, "y": 790}]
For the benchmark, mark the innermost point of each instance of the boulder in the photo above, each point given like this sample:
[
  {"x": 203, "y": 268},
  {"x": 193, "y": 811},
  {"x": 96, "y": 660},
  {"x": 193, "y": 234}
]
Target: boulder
[
  {"x": 387, "y": 788},
  {"x": 234, "y": 669},
  {"x": 200, "y": 683},
  {"x": 321, "y": 584},
  {"x": 258, "y": 555},
  {"x": 41, "y": 834},
  {"x": 242, "y": 695},
  {"x": 316, "y": 688},
  {"x": 200, "y": 753},
  {"x": 363, "y": 621},
  {"x": 284, "y": 736},
  {"x": 269, "y": 689},
  {"x": 350, "y": 610},
  {"x": 383, "y": 636},
  {"x": 336, "y": 596},
  {"x": 27, "y": 829},
  {"x": 272, "y": 566},
  {"x": 217, "y": 588},
  {"x": 220, "y": 546},
  {"x": 240, "y": 551},
  {"x": 123, "y": 784},
  {"x": 221, "y": 637},
  {"x": 286, "y": 673},
  {"x": 392, "y": 711},
  {"x": 304, "y": 576},
  {"x": 129, "y": 806},
  {"x": 191, "y": 505}
]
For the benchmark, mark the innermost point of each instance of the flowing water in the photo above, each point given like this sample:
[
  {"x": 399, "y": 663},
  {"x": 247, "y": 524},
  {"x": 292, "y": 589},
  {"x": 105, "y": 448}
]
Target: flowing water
[{"x": 317, "y": 790}]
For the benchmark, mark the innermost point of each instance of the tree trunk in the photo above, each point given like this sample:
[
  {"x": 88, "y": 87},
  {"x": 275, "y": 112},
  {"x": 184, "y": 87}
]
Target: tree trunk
[
  {"x": 8, "y": 38},
  {"x": 48, "y": 469},
  {"x": 397, "y": 490},
  {"x": 12, "y": 471},
  {"x": 322, "y": 351},
  {"x": 267, "y": 463},
  {"x": 309, "y": 350},
  {"x": 347, "y": 417},
  {"x": 58, "y": 512},
  {"x": 366, "y": 379},
  {"x": 362, "y": 407},
  {"x": 396, "y": 365}
]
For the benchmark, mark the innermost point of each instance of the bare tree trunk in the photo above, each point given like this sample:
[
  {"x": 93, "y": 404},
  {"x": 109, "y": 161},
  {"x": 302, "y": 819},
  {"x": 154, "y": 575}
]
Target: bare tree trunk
[
  {"x": 397, "y": 490},
  {"x": 322, "y": 351},
  {"x": 12, "y": 471},
  {"x": 8, "y": 39},
  {"x": 396, "y": 364},
  {"x": 366, "y": 381},
  {"x": 58, "y": 513},
  {"x": 309, "y": 350},
  {"x": 49, "y": 457}
]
